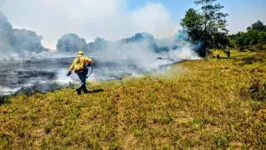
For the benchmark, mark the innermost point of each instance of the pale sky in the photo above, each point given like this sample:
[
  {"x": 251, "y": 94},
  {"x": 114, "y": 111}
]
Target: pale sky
[{"x": 116, "y": 19}]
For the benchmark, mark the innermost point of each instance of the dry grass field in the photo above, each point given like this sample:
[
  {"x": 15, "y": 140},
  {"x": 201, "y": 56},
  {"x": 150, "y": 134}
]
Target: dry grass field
[{"x": 201, "y": 104}]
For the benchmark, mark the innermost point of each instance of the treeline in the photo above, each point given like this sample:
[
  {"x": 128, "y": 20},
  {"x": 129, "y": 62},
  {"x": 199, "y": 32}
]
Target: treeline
[
  {"x": 24, "y": 43},
  {"x": 208, "y": 25},
  {"x": 71, "y": 42},
  {"x": 253, "y": 39},
  {"x": 206, "y": 28}
]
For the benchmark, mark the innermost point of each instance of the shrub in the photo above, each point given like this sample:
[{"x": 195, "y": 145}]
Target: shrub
[{"x": 257, "y": 90}]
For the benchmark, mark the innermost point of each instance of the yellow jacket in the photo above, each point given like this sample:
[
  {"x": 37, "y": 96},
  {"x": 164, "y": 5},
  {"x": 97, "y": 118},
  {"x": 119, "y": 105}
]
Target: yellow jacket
[{"x": 80, "y": 63}]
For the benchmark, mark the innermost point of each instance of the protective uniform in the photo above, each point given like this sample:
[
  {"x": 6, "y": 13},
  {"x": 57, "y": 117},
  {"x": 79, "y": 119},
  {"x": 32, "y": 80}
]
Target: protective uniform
[{"x": 79, "y": 66}]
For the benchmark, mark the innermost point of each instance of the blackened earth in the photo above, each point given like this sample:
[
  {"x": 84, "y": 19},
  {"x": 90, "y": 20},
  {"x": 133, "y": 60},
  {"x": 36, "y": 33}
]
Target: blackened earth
[{"x": 42, "y": 75}]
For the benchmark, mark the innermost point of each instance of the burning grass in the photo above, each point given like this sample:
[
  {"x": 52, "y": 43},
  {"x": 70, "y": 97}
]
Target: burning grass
[{"x": 203, "y": 104}]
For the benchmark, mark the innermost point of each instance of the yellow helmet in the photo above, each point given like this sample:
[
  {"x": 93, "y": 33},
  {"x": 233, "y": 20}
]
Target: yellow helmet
[{"x": 80, "y": 53}]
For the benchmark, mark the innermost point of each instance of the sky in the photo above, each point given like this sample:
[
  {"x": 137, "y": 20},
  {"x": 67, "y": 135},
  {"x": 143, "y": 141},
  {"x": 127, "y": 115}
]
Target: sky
[{"x": 116, "y": 19}]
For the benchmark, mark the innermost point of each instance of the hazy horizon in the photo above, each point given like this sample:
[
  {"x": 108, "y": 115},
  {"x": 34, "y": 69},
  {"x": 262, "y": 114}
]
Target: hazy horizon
[{"x": 119, "y": 19}]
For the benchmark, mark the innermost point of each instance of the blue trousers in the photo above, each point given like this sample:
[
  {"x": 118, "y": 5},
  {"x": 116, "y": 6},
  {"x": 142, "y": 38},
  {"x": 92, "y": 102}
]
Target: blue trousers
[{"x": 82, "y": 76}]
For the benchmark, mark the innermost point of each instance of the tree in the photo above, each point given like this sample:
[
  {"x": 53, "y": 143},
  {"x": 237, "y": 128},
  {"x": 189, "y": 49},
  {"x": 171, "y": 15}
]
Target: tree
[
  {"x": 26, "y": 41},
  {"x": 18, "y": 41},
  {"x": 192, "y": 23},
  {"x": 71, "y": 43},
  {"x": 262, "y": 37},
  {"x": 207, "y": 25},
  {"x": 97, "y": 44},
  {"x": 249, "y": 39},
  {"x": 258, "y": 26},
  {"x": 139, "y": 37}
]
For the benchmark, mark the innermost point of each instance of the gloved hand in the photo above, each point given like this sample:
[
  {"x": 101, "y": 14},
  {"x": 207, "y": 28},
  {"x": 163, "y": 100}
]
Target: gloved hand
[
  {"x": 88, "y": 65},
  {"x": 69, "y": 73}
]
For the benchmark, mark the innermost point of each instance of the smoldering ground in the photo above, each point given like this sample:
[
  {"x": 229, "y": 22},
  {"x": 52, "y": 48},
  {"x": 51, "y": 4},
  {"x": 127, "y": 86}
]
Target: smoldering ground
[
  {"x": 49, "y": 73},
  {"x": 27, "y": 66},
  {"x": 46, "y": 71}
]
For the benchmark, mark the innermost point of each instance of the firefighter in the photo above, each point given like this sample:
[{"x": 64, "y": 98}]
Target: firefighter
[{"x": 79, "y": 65}]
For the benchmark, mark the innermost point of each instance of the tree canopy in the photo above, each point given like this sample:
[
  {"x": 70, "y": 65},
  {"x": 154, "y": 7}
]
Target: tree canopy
[
  {"x": 255, "y": 36},
  {"x": 207, "y": 25},
  {"x": 258, "y": 26},
  {"x": 71, "y": 43}
]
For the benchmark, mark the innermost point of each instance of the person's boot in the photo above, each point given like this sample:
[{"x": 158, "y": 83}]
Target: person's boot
[
  {"x": 78, "y": 91},
  {"x": 86, "y": 91}
]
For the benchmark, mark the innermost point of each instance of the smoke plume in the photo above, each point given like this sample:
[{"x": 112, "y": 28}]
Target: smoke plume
[
  {"x": 15, "y": 42},
  {"x": 111, "y": 19},
  {"x": 114, "y": 56}
]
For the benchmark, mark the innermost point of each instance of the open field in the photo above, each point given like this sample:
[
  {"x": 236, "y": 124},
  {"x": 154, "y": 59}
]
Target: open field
[{"x": 203, "y": 104}]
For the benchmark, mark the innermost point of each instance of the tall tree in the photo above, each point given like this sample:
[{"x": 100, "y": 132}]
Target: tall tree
[
  {"x": 207, "y": 25},
  {"x": 192, "y": 23}
]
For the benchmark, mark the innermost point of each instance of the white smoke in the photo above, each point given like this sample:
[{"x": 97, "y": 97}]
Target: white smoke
[
  {"x": 88, "y": 18},
  {"x": 185, "y": 52},
  {"x": 144, "y": 56},
  {"x": 63, "y": 80},
  {"x": 7, "y": 90}
]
